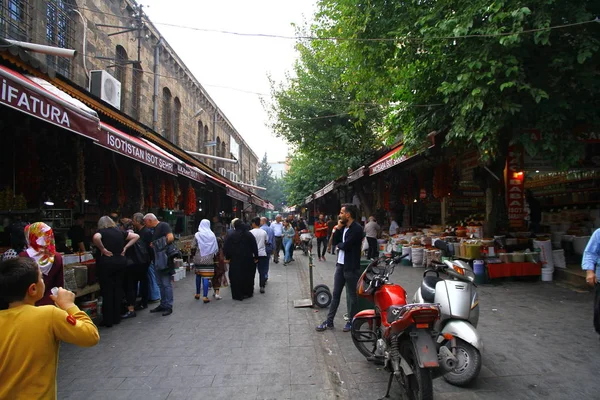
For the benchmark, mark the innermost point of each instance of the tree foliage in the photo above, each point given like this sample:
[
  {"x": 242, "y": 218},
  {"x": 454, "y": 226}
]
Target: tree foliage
[
  {"x": 275, "y": 186},
  {"x": 482, "y": 72}
]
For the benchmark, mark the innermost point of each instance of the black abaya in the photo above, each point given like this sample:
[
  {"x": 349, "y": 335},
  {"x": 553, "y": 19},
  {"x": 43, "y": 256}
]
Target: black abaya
[{"x": 241, "y": 250}]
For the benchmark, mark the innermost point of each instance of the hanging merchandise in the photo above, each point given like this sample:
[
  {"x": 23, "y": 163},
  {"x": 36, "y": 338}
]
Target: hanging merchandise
[
  {"x": 170, "y": 194},
  {"x": 179, "y": 205},
  {"x": 190, "y": 205},
  {"x": 162, "y": 195},
  {"x": 138, "y": 176}
]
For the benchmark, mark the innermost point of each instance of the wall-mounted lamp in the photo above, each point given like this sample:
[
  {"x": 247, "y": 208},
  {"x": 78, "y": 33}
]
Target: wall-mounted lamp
[{"x": 49, "y": 202}]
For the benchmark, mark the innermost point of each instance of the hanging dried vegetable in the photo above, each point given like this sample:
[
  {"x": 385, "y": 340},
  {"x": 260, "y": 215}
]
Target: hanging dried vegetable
[
  {"x": 162, "y": 195},
  {"x": 190, "y": 204},
  {"x": 170, "y": 194},
  {"x": 138, "y": 176}
]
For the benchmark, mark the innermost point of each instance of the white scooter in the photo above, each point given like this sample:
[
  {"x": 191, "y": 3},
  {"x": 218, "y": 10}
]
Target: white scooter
[{"x": 459, "y": 344}]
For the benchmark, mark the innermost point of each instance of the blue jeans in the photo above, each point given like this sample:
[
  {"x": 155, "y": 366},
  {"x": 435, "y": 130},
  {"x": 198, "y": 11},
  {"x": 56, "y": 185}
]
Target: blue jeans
[
  {"x": 200, "y": 281},
  {"x": 287, "y": 249},
  {"x": 263, "y": 270},
  {"x": 343, "y": 278},
  {"x": 166, "y": 289},
  {"x": 153, "y": 290}
]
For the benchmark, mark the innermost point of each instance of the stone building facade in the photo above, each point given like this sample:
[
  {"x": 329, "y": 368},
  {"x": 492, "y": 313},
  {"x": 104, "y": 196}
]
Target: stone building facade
[{"x": 157, "y": 88}]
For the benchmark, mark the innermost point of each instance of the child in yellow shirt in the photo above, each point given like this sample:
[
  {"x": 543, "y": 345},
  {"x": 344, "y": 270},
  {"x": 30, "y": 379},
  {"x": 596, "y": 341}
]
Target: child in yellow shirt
[{"x": 30, "y": 335}]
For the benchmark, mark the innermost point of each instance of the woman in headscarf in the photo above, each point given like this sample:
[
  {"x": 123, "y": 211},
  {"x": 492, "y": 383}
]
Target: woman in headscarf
[
  {"x": 112, "y": 243},
  {"x": 242, "y": 252},
  {"x": 205, "y": 247},
  {"x": 40, "y": 246}
]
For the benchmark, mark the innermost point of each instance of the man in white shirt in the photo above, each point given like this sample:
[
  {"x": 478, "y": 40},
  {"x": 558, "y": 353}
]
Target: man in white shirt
[
  {"x": 263, "y": 260},
  {"x": 372, "y": 232},
  {"x": 277, "y": 227}
]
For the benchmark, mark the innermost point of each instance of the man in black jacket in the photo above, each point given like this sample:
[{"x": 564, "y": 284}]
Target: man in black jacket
[{"x": 347, "y": 268}]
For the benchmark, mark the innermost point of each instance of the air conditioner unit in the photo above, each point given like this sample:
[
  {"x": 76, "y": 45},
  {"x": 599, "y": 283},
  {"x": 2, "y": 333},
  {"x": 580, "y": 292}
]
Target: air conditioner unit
[
  {"x": 232, "y": 176},
  {"x": 105, "y": 86},
  {"x": 223, "y": 171}
]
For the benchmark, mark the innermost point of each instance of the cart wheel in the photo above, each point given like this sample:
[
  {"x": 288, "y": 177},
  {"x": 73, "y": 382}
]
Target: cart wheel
[
  {"x": 319, "y": 287},
  {"x": 322, "y": 297}
]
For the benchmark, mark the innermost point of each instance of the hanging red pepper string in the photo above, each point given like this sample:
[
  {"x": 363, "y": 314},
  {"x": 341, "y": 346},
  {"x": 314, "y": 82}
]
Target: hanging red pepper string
[
  {"x": 170, "y": 194},
  {"x": 162, "y": 195},
  {"x": 190, "y": 205}
]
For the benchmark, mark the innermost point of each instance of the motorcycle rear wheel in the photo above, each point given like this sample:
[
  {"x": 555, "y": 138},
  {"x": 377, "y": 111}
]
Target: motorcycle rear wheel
[
  {"x": 420, "y": 383},
  {"x": 469, "y": 364},
  {"x": 367, "y": 349}
]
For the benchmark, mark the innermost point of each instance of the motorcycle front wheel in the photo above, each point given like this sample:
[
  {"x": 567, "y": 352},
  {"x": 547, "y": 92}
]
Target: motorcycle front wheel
[
  {"x": 365, "y": 343},
  {"x": 420, "y": 383},
  {"x": 468, "y": 366}
]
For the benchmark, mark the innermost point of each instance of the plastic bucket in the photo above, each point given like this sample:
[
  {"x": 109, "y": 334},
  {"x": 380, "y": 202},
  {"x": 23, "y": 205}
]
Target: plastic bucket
[
  {"x": 479, "y": 270},
  {"x": 547, "y": 274},
  {"x": 90, "y": 308}
]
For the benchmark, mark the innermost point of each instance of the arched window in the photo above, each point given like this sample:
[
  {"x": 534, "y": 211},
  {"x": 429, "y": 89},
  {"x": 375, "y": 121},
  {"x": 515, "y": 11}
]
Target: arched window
[
  {"x": 59, "y": 32},
  {"x": 166, "y": 114},
  {"x": 136, "y": 90},
  {"x": 223, "y": 153},
  {"x": 121, "y": 71},
  {"x": 200, "y": 137},
  {"x": 176, "y": 120}
]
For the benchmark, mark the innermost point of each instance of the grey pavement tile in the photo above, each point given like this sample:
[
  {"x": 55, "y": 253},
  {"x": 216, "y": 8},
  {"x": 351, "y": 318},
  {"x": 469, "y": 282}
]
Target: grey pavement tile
[
  {"x": 312, "y": 392},
  {"x": 224, "y": 393},
  {"x": 151, "y": 394},
  {"x": 126, "y": 372},
  {"x": 91, "y": 384},
  {"x": 180, "y": 393},
  {"x": 72, "y": 395},
  {"x": 175, "y": 370},
  {"x": 109, "y": 394},
  {"x": 228, "y": 380}
]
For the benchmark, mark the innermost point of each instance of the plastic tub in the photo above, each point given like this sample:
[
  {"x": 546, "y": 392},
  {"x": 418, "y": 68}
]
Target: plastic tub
[
  {"x": 90, "y": 308},
  {"x": 518, "y": 257},
  {"x": 547, "y": 274}
]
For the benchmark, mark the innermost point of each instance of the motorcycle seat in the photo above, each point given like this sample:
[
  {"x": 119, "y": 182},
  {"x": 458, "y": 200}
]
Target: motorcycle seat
[{"x": 428, "y": 288}]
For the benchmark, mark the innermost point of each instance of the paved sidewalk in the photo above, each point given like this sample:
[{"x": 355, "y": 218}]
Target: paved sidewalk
[
  {"x": 538, "y": 337},
  {"x": 539, "y": 343}
]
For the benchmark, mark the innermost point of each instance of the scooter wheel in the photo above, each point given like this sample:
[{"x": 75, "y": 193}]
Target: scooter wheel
[{"x": 322, "y": 297}]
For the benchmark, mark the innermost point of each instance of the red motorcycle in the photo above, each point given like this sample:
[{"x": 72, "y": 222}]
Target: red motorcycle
[{"x": 396, "y": 334}]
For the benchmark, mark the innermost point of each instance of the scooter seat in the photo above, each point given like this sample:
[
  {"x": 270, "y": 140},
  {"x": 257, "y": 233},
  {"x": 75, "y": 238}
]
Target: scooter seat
[{"x": 428, "y": 288}]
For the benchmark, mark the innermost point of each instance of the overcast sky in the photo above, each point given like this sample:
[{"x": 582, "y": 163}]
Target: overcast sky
[{"x": 236, "y": 62}]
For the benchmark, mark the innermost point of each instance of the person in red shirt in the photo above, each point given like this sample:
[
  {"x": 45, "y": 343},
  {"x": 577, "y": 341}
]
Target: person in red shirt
[{"x": 321, "y": 235}]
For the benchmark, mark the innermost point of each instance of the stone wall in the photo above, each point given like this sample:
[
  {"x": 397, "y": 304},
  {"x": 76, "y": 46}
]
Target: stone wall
[{"x": 170, "y": 76}]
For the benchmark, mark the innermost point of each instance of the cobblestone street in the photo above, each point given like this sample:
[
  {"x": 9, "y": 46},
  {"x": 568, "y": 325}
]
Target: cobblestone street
[{"x": 539, "y": 344}]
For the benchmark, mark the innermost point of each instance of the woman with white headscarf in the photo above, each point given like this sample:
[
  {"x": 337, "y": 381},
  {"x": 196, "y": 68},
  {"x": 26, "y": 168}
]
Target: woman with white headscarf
[{"x": 205, "y": 247}]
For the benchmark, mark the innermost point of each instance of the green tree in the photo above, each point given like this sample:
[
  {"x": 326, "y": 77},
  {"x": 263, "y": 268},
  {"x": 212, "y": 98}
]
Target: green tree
[{"x": 274, "y": 187}]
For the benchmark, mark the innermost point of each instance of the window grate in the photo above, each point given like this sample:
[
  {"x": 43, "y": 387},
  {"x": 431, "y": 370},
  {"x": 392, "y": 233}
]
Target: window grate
[
  {"x": 14, "y": 20},
  {"x": 60, "y": 32}
]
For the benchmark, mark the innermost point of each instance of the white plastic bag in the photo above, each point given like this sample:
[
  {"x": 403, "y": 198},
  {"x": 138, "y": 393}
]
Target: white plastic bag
[{"x": 365, "y": 244}]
